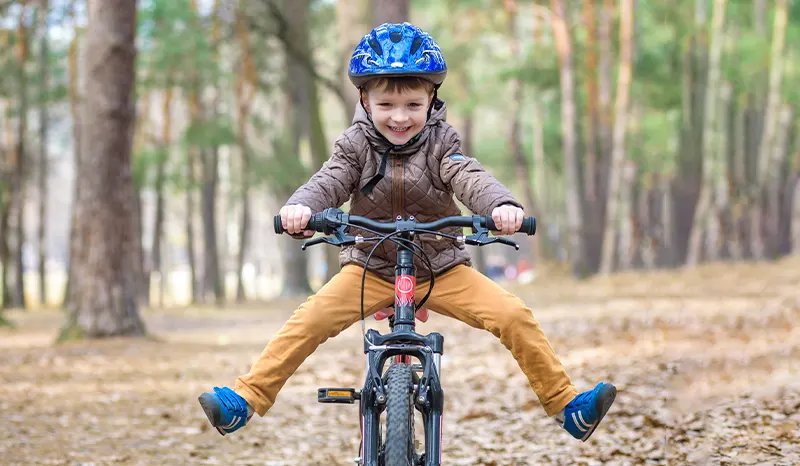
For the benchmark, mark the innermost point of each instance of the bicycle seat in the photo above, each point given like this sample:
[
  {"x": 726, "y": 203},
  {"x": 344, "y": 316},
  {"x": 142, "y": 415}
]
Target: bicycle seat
[{"x": 384, "y": 313}]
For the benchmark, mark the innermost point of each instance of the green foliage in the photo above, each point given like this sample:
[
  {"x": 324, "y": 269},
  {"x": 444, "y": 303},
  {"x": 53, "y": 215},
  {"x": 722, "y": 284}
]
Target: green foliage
[
  {"x": 143, "y": 161},
  {"x": 283, "y": 169},
  {"x": 211, "y": 133},
  {"x": 173, "y": 50}
]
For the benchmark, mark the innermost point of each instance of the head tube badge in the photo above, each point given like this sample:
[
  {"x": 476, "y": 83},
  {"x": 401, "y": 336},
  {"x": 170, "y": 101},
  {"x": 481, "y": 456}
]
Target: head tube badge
[{"x": 404, "y": 289}]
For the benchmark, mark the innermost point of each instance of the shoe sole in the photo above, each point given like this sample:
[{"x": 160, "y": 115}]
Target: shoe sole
[
  {"x": 603, "y": 403},
  {"x": 212, "y": 412}
]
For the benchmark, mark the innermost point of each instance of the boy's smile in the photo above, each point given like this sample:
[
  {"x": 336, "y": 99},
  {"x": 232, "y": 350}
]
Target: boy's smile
[{"x": 398, "y": 116}]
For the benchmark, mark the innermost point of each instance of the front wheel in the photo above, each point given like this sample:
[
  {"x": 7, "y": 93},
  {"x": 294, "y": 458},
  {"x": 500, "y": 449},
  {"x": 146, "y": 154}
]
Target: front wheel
[{"x": 399, "y": 443}]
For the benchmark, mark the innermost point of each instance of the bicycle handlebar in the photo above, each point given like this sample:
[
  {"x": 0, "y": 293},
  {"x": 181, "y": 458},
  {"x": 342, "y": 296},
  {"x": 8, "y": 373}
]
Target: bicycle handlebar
[{"x": 329, "y": 219}]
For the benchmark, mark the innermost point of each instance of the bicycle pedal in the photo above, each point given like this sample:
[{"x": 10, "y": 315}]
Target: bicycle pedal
[{"x": 338, "y": 395}]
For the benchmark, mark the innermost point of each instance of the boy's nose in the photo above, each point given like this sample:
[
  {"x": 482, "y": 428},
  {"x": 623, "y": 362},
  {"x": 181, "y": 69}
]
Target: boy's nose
[{"x": 399, "y": 116}]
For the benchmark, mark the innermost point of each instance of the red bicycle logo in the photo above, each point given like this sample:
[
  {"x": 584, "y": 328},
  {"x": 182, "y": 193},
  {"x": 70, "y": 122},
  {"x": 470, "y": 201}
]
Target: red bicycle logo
[{"x": 404, "y": 289}]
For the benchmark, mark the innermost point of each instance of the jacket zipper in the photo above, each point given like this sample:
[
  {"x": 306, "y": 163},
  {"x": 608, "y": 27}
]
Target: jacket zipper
[{"x": 398, "y": 200}]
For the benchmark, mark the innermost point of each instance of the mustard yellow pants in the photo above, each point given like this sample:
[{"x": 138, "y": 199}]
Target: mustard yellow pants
[{"x": 461, "y": 293}]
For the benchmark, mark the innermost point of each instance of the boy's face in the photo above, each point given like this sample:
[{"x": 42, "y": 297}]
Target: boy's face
[{"x": 398, "y": 116}]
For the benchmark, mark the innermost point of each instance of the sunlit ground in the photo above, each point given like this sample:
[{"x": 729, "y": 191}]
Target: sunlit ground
[{"x": 706, "y": 364}]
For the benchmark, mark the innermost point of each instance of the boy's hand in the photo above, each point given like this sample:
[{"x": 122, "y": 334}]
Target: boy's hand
[
  {"x": 295, "y": 218},
  {"x": 508, "y": 218}
]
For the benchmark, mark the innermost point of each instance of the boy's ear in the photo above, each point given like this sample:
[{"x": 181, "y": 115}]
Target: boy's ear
[{"x": 365, "y": 102}]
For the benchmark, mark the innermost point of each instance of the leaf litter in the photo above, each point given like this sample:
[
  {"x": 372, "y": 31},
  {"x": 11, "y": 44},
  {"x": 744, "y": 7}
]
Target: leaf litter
[{"x": 706, "y": 363}]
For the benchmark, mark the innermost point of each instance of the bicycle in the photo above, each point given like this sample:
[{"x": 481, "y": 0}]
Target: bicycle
[{"x": 403, "y": 386}]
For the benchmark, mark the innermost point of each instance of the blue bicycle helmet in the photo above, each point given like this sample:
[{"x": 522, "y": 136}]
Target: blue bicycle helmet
[{"x": 397, "y": 50}]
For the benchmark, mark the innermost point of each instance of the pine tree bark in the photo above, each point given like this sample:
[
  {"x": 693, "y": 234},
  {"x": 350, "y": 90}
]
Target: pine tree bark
[
  {"x": 158, "y": 222},
  {"x": 351, "y": 24},
  {"x": 103, "y": 296},
  {"x": 17, "y": 206},
  {"x": 591, "y": 117},
  {"x": 515, "y": 134},
  {"x": 212, "y": 276},
  {"x": 768, "y": 164},
  {"x": 706, "y": 189},
  {"x": 572, "y": 168},
  {"x": 75, "y": 98},
  {"x": 620, "y": 127},
  {"x": 295, "y": 281},
  {"x": 246, "y": 82},
  {"x": 44, "y": 121}
]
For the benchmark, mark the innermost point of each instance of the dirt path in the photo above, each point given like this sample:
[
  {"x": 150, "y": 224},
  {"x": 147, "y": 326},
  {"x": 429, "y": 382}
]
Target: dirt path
[{"x": 707, "y": 365}]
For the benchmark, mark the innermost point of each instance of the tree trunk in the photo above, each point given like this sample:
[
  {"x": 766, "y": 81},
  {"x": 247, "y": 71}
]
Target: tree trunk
[
  {"x": 594, "y": 208},
  {"x": 103, "y": 299},
  {"x": 774, "y": 93},
  {"x": 686, "y": 184},
  {"x": 212, "y": 282},
  {"x": 389, "y": 11},
  {"x": 296, "y": 126},
  {"x": 141, "y": 138},
  {"x": 605, "y": 115},
  {"x": 628, "y": 233},
  {"x": 620, "y": 127},
  {"x": 5, "y": 256},
  {"x": 709, "y": 166},
  {"x": 75, "y": 99},
  {"x": 572, "y": 167},
  {"x": 245, "y": 85},
  {"x": 795, "y": 218},
  {"x": 212, "y": 276},
  {"x": 351, "y": 24},
  {"x": 194, "y": 285},
  {"x": 590, "y": 174},
  {"x": 18, "y": 165},
  {"x": 158, "y": 222},
  {"x": 719, "y": 238},
  {"x": 515, "y": 137},
  {"x": 777, "y": 184},
  {"x": 44, "y": 71}
]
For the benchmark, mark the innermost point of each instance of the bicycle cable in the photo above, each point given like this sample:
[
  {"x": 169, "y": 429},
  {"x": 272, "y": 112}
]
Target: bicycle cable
[{"x": 423, "y": 256}]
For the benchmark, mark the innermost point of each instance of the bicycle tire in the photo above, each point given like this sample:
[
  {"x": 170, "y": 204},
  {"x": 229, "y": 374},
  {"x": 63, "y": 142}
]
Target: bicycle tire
[{"x": 399, "y": 442}]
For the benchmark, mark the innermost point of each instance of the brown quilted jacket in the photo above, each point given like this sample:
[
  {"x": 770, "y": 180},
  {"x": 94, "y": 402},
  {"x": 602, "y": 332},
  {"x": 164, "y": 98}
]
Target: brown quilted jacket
[{"x": 420, "y": 180}]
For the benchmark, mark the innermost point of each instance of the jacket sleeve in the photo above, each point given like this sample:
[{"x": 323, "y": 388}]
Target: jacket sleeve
[
  {"x": 473, "y": 186},
  {"x": 332, "y": 185}
]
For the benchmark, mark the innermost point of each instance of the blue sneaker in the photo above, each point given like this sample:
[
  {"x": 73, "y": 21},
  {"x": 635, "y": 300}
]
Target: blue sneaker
[
  {"x": 583, "y": 414},
  {"x": 226, "y": 410}
]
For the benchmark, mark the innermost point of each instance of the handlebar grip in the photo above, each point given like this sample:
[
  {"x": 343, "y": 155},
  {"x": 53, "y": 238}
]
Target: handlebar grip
[
  {"x": 315, "y": 223},
  {"x": 279, "y": 225},
  {"x": 528, "y": 225}
]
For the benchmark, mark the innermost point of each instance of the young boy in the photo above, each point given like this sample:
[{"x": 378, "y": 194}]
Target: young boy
[{"x": 399, "y": 157}]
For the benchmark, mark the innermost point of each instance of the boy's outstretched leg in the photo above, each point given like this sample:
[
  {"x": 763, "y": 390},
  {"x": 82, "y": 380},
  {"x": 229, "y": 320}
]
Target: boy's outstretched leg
[
  {"x": 324, "y": 315},
  {"x": 466, "y": 294}
]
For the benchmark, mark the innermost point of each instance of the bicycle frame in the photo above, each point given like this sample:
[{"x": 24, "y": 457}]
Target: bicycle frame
[{"x": 403, "y": 342}]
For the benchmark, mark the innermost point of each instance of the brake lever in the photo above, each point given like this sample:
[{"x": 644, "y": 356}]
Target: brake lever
[
  {"x": 339, "y": 238},
  {"x": 480, "y": 236},
  {"x": 478, "y": 240},
  {"x": 315, "y": 241}
]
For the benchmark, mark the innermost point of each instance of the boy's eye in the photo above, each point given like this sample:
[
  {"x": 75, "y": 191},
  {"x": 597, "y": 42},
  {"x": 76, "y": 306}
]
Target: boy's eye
[{"x": 415, "y": 105}]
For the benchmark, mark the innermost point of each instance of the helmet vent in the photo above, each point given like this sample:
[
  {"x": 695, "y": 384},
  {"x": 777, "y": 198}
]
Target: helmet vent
[
  {"x": 415, "y": 45},
  {"x": 396, "y": 36},
  {"x": 376, "y": 46}
]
